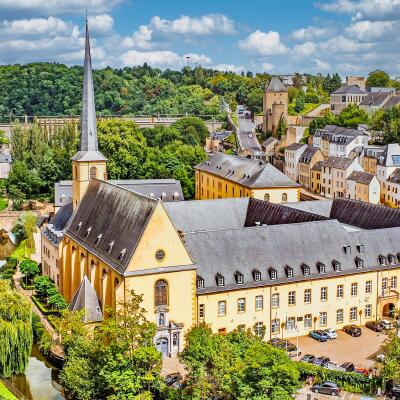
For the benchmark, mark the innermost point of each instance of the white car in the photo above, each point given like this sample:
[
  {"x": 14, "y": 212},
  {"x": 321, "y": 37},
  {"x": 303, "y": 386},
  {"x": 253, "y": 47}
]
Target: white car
[
  {"x": 332, "y": 366},
  {"x": 331, "y": 333},
  {"x": 380, "y": 357},
  {"x": 386, "y": 324}
]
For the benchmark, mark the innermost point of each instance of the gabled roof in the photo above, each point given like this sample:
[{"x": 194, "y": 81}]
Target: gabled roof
[
  {"x": 295, "y": 146},
  {"x": 246, "y": 172},
  {"x": 317, "y": 166},
  {"x": 362, "y": 177},
  {"x": 394, "y": 177},
  {"x": 269, "y": 141},
  {"x": 337, "y": 162},
  {"x": 86, "y": 298},
  {"x": 110, "y": 219},
  {"x": 376, "y": 99},
  {"x": 349, "y": 89},
  {"x": 393, "y": 101},
  {"x": 308, "y": 154},
  {"x": 276, "y": 85}
]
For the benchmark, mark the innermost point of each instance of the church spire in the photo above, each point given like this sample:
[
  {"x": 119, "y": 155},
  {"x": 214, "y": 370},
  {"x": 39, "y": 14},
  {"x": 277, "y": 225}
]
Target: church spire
[{"x": 88, "y": 149}]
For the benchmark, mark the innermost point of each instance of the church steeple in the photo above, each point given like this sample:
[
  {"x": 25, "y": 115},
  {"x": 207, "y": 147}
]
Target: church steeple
[{"x": 88, "y": 162}]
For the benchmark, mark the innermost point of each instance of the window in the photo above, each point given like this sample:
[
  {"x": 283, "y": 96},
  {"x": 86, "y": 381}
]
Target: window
[
  {"x": 266, "y": 197},
  {"x": 368, "y": 287},
  {"x": 307, "y": 321},
  {"x": 97, "y": 240},
  {"x": 361, "y": 248},
  {"x": 221, "y": 308},
  {"x": 79, "y": 226},
  {"x": 259, "y": 329},
  {"x": 284, "y": 197},
  {"x": 337, "y": 267},
  {"x": 391, "y": 259},
  {"x": 160, "y": 255},
  {"x": 241, "y": 305},
  {"x": 259, "y": 303},
  {"x": 275, "y": 326},
  {"x": 354, "y": 289},
  {"x": 353, "y": 313},
  {"x": 393, "y": 282},
  {"x": 275, "y": 300},
  {"x": 200, "y": 282},
  {"x": 382, "y": 260},
  {"x": 239, "y": 278},
  {"x": 324, "y": 293},
  {"x": 339, "y": 315},
  {"x": 273, "y": 274},
  {"x": 110, "y": 247},
  {"x": 368, "y": 311},
  {"x": 321, "y": 268},
  {"x": 384, "y": 284},
  {"x": 220, "y": 280},
  {"x": 307, "y": 296},
  {"x": 161, "y": 293},
  {"x": 306, "y": 270},
  {"x": 202, "y": 311},
  {"x": 93, "y": 172},
  {"x": 359, "y": 263},
  {"x": 161, "y": 319},
  {"x": 323, "y": 318},
  {"x": 122, "y": 254},
  {"x": 347, "y": 249},
  {"x": 257, "y": 276},
  {"x": 292, "y": 298},
  {"x": 291, "y": 324},
  {"x": 289, "y": 272},
  {"x": 175, "y": 339}
]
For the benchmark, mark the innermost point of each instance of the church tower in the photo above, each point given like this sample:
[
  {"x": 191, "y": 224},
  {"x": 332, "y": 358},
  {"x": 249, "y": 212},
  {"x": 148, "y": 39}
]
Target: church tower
[{"x": 88, "y": 162}]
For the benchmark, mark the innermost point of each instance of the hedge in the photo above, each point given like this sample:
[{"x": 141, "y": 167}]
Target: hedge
[
  {"x": 25, "y": 286},
  {"x": 43, "y": 308}
]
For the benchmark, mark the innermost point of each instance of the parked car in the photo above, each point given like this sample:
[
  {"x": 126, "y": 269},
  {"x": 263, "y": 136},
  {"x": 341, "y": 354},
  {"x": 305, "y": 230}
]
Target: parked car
[
  {"x": 362, "y": 371},
  {"x": 276, "y": 342},
  {"x": 173, "y": 379},
  {"x": 327, "y": 388},
  {"x": 332, "y": 366},
  {"x": 330, "y": 333},
  {"x": 386, "y": 324},
  {"x": 394, "y": 390},
  {"x": 347, "y": 367},
  {"x": 321, "y": 336},
  {"x": 321, "y": 361},
  {"x": 308, "y": 358},
  {"x": 352, "y": 330},
  {"x": 380, "y": 357},
  {"x": 374, "y": 325}
]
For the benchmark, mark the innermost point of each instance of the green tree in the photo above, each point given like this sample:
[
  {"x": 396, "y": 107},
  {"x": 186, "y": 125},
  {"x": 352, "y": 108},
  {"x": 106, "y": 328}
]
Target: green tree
[
  {"x": 390, "y": 124},
  {"x": 30, "y": 268},
  {"x": 57, "y": 301},
  {"x": 42, "y": 285},
  {"x": 300, "y": 101},
  {"x": 3, "y": 139},
  {"x": 390, "y": 366},
  {"x": 378, "y": 78},
  {"x": 29, "y": 223},
  {"x": 281, "y": 127},
  {"x": 184, "y": 124},
  {"x": 351, "y": 116}
]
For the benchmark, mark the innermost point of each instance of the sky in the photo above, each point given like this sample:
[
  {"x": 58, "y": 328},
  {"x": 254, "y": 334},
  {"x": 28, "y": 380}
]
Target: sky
[{"x": 351, "y": 37}]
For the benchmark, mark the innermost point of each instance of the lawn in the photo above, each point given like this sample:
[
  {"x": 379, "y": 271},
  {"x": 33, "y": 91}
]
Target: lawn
[
  {"x": 5, "y": 393},
  {"x": 3, "y": 204},
  {"x": 307, "y": 108},
  {"x": 22, "y": 252}
]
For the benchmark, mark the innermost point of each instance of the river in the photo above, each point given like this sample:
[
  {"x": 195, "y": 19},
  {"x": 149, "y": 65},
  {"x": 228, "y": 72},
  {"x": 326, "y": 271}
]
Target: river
[{"x": 40, "y": 381}]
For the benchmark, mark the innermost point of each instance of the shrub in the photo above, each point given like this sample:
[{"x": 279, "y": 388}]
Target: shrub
[
  {"x": 43, "y": 285},
  {"x": 12, "y": 262},
  {"x": 45, "y": 343},
  {"x": 57, "y": 301},
  {"x": 30, "y": 268}
]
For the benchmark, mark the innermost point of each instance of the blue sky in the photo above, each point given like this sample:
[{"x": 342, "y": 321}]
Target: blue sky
[{"x": 286, "y": 36}]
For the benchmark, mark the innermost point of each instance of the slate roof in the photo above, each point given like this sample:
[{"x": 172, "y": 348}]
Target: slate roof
[
  {"x": 390, "y": 157},
  {"x": 349, "y": 89},
  {"x": 246, "y": 172},
  {"x": 118, "y": 215},
  {"x": 362, "y": 177},
  {"x": 167, "y": 189},
  {"x": 317, "y": 166},
  {"x": 376, "y": 99},
  {"x": 261, "y": 248},
  {"x": 86, "y": 298},
  {"x": 295, "y": 146},
  {"x": 307, "y": 154},
  {"x": 337, "y": 162},
  {"x": 393, "y": 101},
  {"x": 53, "y": 231},
  {"x": 394, "y": 177},
  {"x": 338, "y": 134},
  {"x": 319, "y": 207},
  {"x": 5, "y": 158},
  {"x": 276, "y": 85},
  {"x": 269, "y": 141}
]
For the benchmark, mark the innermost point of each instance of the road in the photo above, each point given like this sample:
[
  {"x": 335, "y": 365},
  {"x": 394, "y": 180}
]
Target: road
[{"x": 247, "y": 138}]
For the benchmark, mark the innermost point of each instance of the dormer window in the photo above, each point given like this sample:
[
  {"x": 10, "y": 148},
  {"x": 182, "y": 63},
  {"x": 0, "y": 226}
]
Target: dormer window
[
  {"x": 273, "y": 274},
  {"x": 88, "y": 231},
  {"x": 321, "y": 268},
  {"x": 220, "y": 280},
  {"x": 122, "y": 254},
  {"x": 239, "y": 278},
  {"x": 110, "y": 247},
  {"x": 359, "y": 263},
  {"x": 337, "y": 267},
  {"x": 360, "y": 248},
  {"x": 347, "y": 249},
  {"x": 306, "y": 269},
  {"x": 257, "y": 276},
  {"x": 199, "y": 282},
  {"x": 98, "y": 239},
  {"x": 79, "y": 226},
  {"x": 391, "y": 259},
  {"x": 289, "y": 272},
  {"x": 382, "y": 260}
]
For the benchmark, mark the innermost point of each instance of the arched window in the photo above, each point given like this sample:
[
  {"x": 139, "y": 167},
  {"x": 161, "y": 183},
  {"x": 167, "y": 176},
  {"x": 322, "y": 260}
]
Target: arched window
[
  {"x": 161, "y": 319},
  {"x": 93, "y": 172},
  {"x": 266, "y": 197},
  {"x": 284, "y": 197},
  {"x": 161, "y": 293}
]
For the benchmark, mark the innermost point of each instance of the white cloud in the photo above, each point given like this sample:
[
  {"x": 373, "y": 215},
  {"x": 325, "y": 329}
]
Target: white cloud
[
  {"x": 321, "y": 66},
  {"x": 311, "y": 33},
  {"x": 341, "y": 44},
  {"x": 101, "y": 24},
  {"x": 140, "y": 39},
  {"x": 229, "y": 67},
  {"x": 57, "y": 7},
  {"x": 305, "y": 49},
  {"x": 162, "y": 57},
  {"x": 185, "y": 25},
  {"x": 372, "y": 30},
  {"x": 263, "y": 44},
  {"x": 267, "y": 67},
  {"x": 198, "y": 58}
]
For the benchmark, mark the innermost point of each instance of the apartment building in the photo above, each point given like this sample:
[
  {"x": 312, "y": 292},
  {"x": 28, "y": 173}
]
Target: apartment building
[
  {"x": 388, "y": 161},
  {"x": 292, "y": 157},
  {"x": 348, "y": 94},
  {"x": 310, "y": 156},
  {"x": 391, "y": 190},
  {"x": 363, "y": 186},
  {"x": 316, "y": 177}
]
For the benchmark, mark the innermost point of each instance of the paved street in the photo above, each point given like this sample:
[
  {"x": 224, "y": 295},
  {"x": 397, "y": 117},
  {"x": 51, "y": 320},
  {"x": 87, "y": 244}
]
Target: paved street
[
  {"x": 359, "y": 350},
  {"x": 303, "y": 392},
  {"x": 247, "y": 136}
]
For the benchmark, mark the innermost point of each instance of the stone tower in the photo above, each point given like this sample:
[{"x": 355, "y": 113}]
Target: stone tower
[
  {"x": 275, "y": 104},
  {"x": 88, "y": 162}
]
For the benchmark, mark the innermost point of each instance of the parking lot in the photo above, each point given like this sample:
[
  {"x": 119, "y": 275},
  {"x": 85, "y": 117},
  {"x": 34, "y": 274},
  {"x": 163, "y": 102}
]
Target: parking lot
[
  {"x": 303, "y": 392},
  {"x": 359, "y": 350}
]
